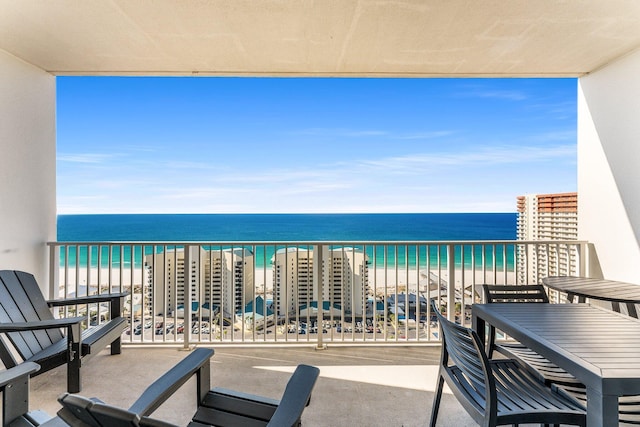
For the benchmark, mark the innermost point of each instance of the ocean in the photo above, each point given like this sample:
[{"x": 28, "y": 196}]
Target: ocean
[
  {"x": 287, "y": 227},
  {"x": 302, "y": 228}
]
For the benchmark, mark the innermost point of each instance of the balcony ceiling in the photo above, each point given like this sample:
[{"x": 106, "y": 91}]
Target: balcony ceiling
[{"x": 321, "y": 37}]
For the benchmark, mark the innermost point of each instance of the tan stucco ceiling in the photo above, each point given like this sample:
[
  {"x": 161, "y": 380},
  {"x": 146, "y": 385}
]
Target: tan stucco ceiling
[{"x": 320, "y": 37}]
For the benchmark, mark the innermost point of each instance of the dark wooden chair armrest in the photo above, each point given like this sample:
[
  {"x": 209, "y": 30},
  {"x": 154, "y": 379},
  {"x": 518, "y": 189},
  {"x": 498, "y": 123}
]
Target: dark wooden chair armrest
[
  {"x": 14, "y": 386},
  {"x": 116, "y": 301},
  {"x": 90, "y": 299},
  {"x": 40, "y": 324},
  {"x": 9, "y": 376},
  {"x": 158, "y": 392},
  {"x": 296, "y": 396}
]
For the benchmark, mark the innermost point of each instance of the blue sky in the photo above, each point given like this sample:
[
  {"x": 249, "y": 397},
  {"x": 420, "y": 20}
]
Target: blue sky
[{"x": 289, "y": 145}]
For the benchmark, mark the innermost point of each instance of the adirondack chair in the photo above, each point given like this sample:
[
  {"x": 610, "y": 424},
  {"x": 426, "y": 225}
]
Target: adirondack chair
[
  {"x": 29, "y": 330},
  {"x": 14, "y": 388},
  {"x": 216, "y": 407}
]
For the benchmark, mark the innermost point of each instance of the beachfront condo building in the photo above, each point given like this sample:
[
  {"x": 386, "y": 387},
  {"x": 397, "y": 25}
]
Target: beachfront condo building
[
  {"x": 547, "y": 217},
  {"x": 345, "y": 274},
  {"x": 218, "y": 278}
]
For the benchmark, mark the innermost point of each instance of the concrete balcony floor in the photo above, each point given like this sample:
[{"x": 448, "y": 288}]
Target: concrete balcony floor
[{"x": 358, "y": 386}]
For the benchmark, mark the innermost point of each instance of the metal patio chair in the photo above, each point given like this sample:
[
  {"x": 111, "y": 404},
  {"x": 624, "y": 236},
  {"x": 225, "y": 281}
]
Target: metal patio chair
[
  {"x": 496, "y": 392},
  {"x": 549, "y": 372}
]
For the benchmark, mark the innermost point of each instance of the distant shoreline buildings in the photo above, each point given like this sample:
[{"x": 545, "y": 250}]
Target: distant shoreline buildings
[
  {"x": 547, "y": 217},
  {"x": 344, "y": 271},
  {"x": 225, "y": 278}
]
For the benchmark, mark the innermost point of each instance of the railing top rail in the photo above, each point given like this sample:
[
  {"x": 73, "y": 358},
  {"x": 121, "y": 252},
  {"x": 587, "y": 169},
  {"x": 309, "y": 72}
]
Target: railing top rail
[{"x": 321, "y": 242}]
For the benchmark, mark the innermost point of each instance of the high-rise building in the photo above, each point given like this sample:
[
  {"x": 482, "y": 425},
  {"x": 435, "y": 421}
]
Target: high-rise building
[
  {"x": 292, "y": 279},
  {"x": 547, "y": 217},
  {"x": 225, "y": 278},
  {"x": 344, "y": 272},
  {"x": 346, "y": 278}
]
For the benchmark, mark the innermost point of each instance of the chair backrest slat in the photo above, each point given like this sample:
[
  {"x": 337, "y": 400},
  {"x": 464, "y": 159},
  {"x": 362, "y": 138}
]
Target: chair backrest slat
[
  {"x": 463, "y": 350},
  {"x": 515, "y": 293},
  {"x": 464, "y": 355},
  {"x": 21, "y": 300}
]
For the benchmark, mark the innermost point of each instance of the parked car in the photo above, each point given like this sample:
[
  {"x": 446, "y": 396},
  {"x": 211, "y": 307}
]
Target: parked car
[
  {"x": 160, "y": 330},
  {"x": 137, "y": 329}
]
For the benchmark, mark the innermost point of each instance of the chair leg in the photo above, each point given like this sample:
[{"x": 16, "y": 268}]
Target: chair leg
[
  {"x": 116, "y": 346},
  {"x": 436, "y": 401},
  {"x": 73, "y": 375},
  {"x": 74, "y": 350}
]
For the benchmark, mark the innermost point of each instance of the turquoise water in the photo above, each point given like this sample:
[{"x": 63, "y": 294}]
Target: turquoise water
[{"x": 289, "y": 228}]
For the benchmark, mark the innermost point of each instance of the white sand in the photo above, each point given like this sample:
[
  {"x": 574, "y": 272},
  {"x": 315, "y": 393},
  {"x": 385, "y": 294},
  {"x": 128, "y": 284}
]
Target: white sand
[{"x": 405, "y": 280}]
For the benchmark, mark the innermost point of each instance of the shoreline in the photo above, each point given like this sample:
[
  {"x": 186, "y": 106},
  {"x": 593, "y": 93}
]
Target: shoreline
[{"x": 402, "y": 278}]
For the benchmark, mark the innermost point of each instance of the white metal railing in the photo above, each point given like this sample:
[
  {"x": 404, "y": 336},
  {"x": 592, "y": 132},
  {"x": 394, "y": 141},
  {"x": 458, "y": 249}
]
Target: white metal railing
[{"x": 275, "y": 292}]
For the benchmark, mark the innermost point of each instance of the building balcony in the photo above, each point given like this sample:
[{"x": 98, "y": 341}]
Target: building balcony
[{"x": 608, "y": 88}]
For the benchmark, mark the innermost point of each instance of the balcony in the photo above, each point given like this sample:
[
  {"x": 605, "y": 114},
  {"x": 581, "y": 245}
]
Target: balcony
[{"x": 507, "y": 42}]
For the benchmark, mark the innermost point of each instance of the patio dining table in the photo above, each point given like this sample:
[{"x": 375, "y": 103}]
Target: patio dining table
[
  {"x": 599, "y": 347},
  {"x": 613, "y": 291}
]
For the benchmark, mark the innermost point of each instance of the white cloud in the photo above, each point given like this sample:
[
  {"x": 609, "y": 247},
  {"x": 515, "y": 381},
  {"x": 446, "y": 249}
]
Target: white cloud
[
  {"x": 473, "y": 179},
  {"x": 484, "y": 156},
  {"x": 339, "y": 132},
  {"x": 425, "y": 135},
  {"x": 512, "y": 95},
  {"x": 479, "y": 91},
  {"x": 367, "y": 133},
  {"x": 90, "y": 158}
]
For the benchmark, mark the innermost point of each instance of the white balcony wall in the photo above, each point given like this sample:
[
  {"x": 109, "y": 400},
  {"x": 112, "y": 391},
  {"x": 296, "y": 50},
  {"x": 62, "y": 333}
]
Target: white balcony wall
[
  {"x": 609, "y": 166},
  {"x": 27, "y": 166}
]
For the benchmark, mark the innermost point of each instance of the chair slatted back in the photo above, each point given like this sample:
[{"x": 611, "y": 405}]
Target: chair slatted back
[
  {"x": 21, "y": 300},
  {"x": 462, "y": 348},
  {"x": 515, "y": 293},
  {"x": 511, "y": 294}
]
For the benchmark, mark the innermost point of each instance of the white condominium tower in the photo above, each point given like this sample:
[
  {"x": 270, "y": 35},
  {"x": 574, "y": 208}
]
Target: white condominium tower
[
  {"x": 219, "y": 277},
  {"x": 344, "y": 273},
  {"x": 547, "y": 217}
]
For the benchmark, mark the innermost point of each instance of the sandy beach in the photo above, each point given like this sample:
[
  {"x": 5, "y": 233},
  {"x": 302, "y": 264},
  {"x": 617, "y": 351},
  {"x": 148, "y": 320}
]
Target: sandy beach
[{"x": 405, "y": 280}]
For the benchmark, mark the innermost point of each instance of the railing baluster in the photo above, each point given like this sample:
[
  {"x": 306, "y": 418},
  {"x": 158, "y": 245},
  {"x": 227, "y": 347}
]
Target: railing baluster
[
  {"x": 318, "y": 264},
  {"x": 451, "y": 290}
]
